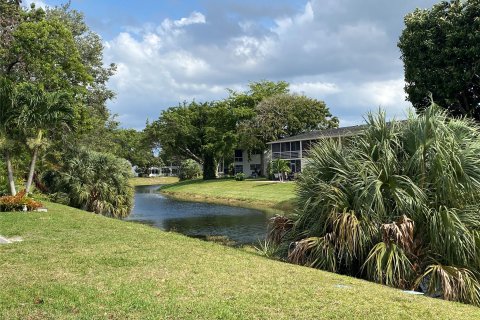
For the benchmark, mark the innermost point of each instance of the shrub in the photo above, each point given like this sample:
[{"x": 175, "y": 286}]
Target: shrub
[
  {"x": 278, "y": 167},
  {"x": 397, "y": 205},
  {"x": 240, "y": 176},
  {"x": 95, "y": 182},
  {"x": 189, "y": 169},
  {"x": 18, "y": 202}
]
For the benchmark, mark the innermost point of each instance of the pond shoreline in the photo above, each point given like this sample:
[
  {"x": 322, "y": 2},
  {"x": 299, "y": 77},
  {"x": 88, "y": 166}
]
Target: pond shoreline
[
  {"x": 269, "y": 207},
  {"x": 258, "y": 194}
]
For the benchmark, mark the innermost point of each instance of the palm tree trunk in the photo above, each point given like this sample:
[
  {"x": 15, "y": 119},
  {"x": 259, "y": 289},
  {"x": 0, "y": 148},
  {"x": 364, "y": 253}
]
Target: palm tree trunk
[
  {"x": 11, "y": 180},
  {"x": 32, "y": 170},
  {"x": 33, "y": 163}
]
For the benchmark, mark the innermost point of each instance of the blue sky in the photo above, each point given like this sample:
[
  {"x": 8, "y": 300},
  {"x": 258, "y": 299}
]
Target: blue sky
[{"x": 341, "y": 51}]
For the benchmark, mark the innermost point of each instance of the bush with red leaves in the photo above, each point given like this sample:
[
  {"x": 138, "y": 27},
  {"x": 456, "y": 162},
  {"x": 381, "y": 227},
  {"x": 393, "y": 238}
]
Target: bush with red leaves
[{"x": 18, "y": 202}]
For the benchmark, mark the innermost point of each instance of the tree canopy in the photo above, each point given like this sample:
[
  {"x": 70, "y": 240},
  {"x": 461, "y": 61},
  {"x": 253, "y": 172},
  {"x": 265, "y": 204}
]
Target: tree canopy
[
  {"x": 284, "y": 115},
  {"x": 441, "y": 53}
]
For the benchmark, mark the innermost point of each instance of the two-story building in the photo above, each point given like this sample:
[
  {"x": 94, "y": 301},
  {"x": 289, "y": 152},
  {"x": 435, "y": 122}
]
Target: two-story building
[
  {"x": 292, "y": 149},
  {"x": 295, "y": 149}
]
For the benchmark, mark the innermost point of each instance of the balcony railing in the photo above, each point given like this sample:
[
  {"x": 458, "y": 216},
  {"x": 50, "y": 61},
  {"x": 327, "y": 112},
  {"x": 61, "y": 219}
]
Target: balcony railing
[{"x": 286, "y": 155}]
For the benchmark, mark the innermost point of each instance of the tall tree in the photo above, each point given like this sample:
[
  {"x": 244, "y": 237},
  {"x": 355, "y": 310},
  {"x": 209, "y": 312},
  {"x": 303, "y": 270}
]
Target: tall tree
[
  {"x": 281, "y": 116},
  {"x": 441, "y": 53},
  {"x": 54, "y": 52},
  {"x": 204, "y": 132}
]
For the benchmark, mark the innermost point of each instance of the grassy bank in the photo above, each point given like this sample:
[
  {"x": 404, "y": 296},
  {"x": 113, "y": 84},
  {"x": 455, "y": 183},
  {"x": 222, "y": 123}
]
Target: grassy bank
[
  {"x": 74, "y": 264},
  {"x": 248, "y": 193},
  {"x": 152, "y": 181}
]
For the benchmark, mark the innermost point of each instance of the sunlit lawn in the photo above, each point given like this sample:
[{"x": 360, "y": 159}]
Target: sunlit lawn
[
  {"x": 262, "y": 193},
  {"x": 77, "y": 265},
  {"x": 139, "y": 181}
]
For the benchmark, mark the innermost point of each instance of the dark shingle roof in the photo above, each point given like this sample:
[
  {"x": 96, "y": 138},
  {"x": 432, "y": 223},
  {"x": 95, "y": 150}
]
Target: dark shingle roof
[{"x": 327, "y": 133}]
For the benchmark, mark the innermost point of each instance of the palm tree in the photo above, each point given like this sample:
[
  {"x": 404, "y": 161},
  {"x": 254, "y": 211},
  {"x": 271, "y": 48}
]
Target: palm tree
[
  {"x": 94, "y": 182},
  {"x": 397, "y": 205},
  {"x": 7, "y": 116},
  {"x": 280, "y": 167},
  {"x": 41, "y": 112}
]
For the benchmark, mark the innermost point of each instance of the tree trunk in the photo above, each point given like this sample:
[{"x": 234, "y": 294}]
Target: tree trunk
[
  {"x": 33, "y": 163},
  {"x": 32, "y": 170},
  {"x": 11, "y": 180},
  {"x": 209, "y": 167}
]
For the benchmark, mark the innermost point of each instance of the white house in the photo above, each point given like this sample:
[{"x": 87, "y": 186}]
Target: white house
[{"x": 252, "y": 165}]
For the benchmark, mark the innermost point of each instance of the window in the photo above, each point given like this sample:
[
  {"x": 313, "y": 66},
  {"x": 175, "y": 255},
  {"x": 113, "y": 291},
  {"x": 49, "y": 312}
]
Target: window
[
  {"x": 295, "y": 146},
  {"x": 295, "y": 166},
  {"x": 238, "y": 156},
  {"x": 276, "y": 147},
  {"x": 285, "y": 146},
  {"x": 255, "y": 167},
  {"x": 238, "y": 169}
]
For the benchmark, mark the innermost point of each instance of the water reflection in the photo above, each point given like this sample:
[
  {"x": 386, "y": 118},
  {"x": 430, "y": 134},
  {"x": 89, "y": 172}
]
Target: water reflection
[{"x": 198, "y": 219}]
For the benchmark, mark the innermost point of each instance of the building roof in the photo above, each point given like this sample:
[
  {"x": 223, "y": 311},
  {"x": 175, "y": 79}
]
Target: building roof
[{"x": 327, "y": 133}]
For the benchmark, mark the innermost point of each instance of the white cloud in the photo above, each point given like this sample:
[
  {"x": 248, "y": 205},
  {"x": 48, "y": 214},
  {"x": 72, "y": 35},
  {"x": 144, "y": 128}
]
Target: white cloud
[
  {"x": 337, "y": 51},
  {"x": 38, "y": 3},
  {"x": 315, "y": 89},
  {"x": 194, "y": 18}
]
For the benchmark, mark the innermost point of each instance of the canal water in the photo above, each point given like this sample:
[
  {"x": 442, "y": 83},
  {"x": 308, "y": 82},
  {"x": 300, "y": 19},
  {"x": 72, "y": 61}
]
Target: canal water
[{"x": 195, "y": 219}]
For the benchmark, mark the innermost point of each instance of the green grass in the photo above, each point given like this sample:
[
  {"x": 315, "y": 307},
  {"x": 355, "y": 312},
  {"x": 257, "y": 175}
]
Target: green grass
[
  {"x": 77, "y": 265},
  {"x": 251, "y": 193},
  {"x": 138, "y": 181}
]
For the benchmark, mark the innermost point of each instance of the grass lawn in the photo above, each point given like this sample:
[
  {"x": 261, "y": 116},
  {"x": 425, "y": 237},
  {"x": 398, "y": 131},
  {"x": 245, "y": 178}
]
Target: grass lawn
[
  {"x": 137, "y": 181},
  {"x": 250, "y": 193},
  {"x": 77, "y": 265}
]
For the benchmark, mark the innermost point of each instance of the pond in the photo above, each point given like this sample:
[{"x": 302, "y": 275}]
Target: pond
[{"x": 195, "y": 219}]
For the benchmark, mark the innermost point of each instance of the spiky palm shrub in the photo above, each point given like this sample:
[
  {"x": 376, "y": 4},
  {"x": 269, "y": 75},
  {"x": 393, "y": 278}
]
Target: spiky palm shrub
[
  {"x": 95, "y": 182},
  {"x": 399, "y": 204}
]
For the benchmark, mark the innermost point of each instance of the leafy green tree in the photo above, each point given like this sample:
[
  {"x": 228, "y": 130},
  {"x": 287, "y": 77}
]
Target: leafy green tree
[
  {"x": 54, "y": 52},
  {"x": 95, "y": 182},
  {"x": 282, "y": 116},
  {"x": 397, "y": 205},
  {"x": 189, "y": 169},
  {"x": 441, "y": 53},
  {"x": 257, "y": 91},
  {"x": 204, "y": 132}
]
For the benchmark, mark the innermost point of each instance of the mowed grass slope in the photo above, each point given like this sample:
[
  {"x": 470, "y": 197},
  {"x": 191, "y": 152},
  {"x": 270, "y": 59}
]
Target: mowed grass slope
[
  {"x": 77, "y": 265},
  {"x": 252, "y": 193},
  {"x": 146, "y": 181}
]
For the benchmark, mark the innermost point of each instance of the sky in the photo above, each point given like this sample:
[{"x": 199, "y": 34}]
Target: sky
[{"x": 343, "y": 52}]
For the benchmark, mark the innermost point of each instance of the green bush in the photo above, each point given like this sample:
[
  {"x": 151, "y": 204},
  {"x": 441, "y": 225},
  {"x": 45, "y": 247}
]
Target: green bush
[
  {"x": 93, "y": 181},
  {"x": 398, "y": 205},
  {"x": 189, "y": 169},
  {"x": 240, "y": 176}
]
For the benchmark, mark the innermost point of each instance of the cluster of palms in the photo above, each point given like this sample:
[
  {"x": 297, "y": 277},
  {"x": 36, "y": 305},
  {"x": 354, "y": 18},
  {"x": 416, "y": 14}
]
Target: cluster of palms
[
  {"x": 398, "y": 205},
  {"x": 27, "y": 113},
  {"x": 93, "y": 181}
]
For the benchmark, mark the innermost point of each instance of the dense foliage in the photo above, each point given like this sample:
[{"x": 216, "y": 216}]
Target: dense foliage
[
  {"x": 53, "y": 86},
  {"x": 283, "y": 115},
  {"x": 398, "y": 205},
  {"x": 94, "y": 182},
  {"x": 441, "y": 50},
  {"x": 189, "y": 169},
  {"x": 210, "y": 132}
]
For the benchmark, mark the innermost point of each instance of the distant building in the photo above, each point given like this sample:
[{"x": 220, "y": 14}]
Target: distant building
[
  {"x": 292, "y": 149},
  {"x": 295, "y": 149},
  {"x": 251, "y": 164}
]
